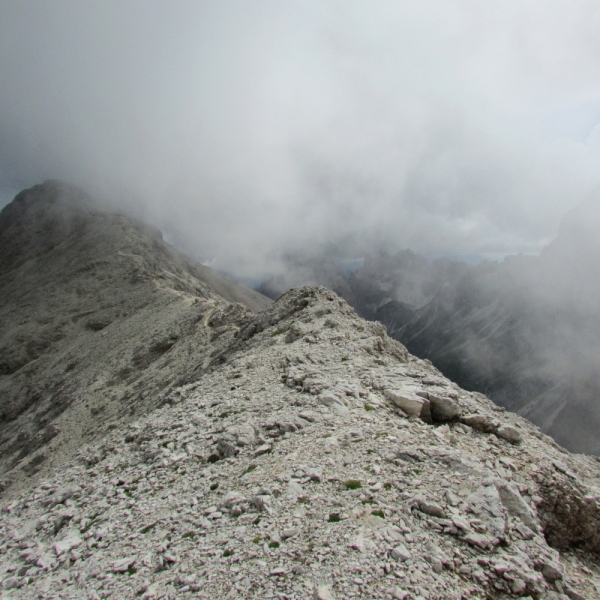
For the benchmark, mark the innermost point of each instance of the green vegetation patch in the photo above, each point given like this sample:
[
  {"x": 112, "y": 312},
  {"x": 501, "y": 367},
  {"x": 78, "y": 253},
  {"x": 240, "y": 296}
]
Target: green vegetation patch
[
  {"x": 280, "y": 330},
  {"x": 352, "y": 484},
  {"x": 334, "y": 518}
]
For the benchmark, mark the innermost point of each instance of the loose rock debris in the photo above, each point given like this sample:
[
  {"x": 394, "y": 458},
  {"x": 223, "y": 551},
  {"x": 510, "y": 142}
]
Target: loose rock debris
[{"x": 315, "y": 459}]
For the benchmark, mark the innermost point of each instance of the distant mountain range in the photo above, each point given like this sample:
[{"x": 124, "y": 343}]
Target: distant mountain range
[{"x": 526, "y": 331}]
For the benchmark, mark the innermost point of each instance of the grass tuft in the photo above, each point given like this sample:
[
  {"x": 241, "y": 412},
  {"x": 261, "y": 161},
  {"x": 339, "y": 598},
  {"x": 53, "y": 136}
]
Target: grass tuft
[
  {"x": 352, "y": 484},
  {"x": 280, "y": 330}
]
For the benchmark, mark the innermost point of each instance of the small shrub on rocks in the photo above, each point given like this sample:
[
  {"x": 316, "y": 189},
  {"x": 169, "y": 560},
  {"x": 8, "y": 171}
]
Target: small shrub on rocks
[{"x": 352, "y": 484}]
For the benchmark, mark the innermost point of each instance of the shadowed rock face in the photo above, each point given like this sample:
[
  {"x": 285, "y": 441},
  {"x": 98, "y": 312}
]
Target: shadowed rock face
[
  {"x": 98, "y": 315},
  {"x": 404, "y": 278}
]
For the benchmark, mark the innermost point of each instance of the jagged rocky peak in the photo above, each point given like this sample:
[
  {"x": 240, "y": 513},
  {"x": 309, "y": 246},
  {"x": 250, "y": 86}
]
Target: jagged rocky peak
[{"x": 311, "y": 457}]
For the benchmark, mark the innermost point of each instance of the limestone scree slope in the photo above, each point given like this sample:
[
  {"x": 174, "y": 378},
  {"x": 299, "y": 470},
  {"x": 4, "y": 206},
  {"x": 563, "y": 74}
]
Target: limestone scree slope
[{"x": 311, "y": 457}]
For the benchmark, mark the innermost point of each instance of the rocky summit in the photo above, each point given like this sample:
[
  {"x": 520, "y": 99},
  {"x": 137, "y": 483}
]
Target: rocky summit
[
  {"x": 311, "y": 457},
  {"x": 99, "y": 318}
]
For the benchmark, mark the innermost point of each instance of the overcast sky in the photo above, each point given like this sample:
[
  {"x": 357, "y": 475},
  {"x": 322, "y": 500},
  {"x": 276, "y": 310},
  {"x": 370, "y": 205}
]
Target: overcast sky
[{"x": 246, "y": 129}]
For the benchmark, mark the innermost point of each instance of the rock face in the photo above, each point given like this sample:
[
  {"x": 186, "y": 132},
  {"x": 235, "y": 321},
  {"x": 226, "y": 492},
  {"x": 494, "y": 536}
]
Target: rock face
[
  {"x": 398, "y": 284},
  {"x": 99, "y": 315},
  {"x": 287, "y": 468}
]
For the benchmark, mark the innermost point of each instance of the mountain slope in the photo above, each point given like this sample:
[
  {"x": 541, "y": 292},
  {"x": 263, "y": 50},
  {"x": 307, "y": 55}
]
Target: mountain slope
[
  {"x": 404, "y": 277},
  {"x": 526, "y": 332},
  {"x": 316, "y": 459},
  {"x": 98, "y": 315}
]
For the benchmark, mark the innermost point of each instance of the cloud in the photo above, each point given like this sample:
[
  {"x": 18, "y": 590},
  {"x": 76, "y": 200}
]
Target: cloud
[{"x": 248, "y": 129}]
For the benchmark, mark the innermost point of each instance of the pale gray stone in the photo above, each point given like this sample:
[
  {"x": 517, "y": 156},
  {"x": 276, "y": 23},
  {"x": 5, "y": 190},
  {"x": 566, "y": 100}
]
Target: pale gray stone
[
  {"x": 290, "y": 533},
  {"x": 123, "y": 564},
  {"x": 67, "y": 544},
  {"x": 509, "y": 433},
  {"x": 400, "y": 553},
  {"x": 411, "y": 403},
  {"x": 323, "y": 592},
  {"x": 431, "y": 508},
  {"x": 443, "y": 409},
  {"x": 515, "y": 505}
]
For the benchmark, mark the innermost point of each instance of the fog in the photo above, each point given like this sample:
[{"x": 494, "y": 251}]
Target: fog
[{"x": 247, "y": 130}]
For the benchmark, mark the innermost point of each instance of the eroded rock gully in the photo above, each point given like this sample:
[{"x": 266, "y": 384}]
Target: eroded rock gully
[{"x": 312, "y": 457}]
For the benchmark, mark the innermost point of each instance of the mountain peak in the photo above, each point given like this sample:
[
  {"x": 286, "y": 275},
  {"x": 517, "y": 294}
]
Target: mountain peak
[{"x": 98, "y": 313}]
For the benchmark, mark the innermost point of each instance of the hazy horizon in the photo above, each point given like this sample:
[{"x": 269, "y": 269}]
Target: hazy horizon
[{"x": 248, "y": 130}]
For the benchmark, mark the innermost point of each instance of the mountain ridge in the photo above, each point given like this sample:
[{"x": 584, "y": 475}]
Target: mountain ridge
[
  {"x": 97, "y": 312},
  {"x": 314, "y": 458},
  {"x": 165, "y": 441},
  {"x": 525, "y": 331}
]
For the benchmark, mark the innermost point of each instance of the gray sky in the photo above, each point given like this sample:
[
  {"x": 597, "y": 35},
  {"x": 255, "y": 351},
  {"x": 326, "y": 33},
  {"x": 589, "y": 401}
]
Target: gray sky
[{"x": 246, "y": 129}]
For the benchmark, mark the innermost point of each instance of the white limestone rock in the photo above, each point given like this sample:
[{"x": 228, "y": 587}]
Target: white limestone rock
[
  {"x": 359, "y": 504},
  {"x": 410, "y": 402}
]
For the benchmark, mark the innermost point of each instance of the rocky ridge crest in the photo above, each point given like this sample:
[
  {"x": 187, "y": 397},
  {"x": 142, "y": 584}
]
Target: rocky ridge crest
[
  {"x": 99, "y": 316},
  {"x": 312, "y": 456}
]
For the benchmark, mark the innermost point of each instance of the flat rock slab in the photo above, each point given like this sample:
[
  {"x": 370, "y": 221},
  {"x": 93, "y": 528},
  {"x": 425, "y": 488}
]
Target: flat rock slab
[{"x": 410, "y": 402}]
